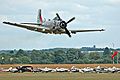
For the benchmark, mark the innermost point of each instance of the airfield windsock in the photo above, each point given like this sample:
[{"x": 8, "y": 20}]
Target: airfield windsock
[{"x": 114, "y": 54}]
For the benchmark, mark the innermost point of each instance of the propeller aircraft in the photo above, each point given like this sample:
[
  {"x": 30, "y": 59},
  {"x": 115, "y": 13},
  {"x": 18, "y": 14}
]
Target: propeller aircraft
[{"x": 55, "y": 26}]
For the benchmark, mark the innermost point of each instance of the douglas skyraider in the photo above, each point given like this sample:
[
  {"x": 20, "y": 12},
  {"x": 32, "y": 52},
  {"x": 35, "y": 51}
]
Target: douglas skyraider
[{"x": 54, "y": 26}]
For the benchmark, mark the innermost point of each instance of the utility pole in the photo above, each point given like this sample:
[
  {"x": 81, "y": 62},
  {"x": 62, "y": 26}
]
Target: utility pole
[
  {"x": 117, "y": 57},
  {"x": 113, "y": 60},
  {"x": 113, "y": 52}
]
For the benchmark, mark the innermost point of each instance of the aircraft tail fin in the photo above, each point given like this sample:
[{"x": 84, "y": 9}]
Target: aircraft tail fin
[{"x": 39, "y": 17}]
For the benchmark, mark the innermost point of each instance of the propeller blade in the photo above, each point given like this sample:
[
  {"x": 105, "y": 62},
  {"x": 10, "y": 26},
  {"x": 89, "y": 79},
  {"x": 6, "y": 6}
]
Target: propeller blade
[
  {"x": 58, "y": 16},
  {"x": 70, "y": 20},
  {"x": 67, "y": 32}
]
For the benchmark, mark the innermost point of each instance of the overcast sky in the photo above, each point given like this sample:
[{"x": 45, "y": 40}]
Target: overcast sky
[{"x": 90, "y": 14}]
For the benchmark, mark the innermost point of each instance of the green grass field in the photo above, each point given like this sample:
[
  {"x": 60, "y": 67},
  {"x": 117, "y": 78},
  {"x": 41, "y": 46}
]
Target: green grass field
[{"x": 59, "y": 76}]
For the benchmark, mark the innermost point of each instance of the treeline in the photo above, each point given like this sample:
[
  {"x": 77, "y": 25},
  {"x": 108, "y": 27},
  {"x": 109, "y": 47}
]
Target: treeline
[{"x": 55, "y": 56}]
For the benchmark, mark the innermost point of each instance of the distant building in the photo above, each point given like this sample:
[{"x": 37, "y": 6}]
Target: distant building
[{"x": 92, "y": 49}]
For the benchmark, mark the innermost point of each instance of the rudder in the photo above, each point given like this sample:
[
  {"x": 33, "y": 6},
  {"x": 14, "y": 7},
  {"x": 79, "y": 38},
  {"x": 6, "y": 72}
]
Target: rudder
[{"x": 39, "y": 17}]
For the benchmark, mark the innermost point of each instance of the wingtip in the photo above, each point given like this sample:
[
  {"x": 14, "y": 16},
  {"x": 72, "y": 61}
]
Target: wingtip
[
  {"x": 5, "y": 22},
  {"x": 102, "y": 29}
]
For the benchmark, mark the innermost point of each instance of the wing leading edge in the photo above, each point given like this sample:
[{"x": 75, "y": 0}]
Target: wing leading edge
[{"x": 30, "y": 27}]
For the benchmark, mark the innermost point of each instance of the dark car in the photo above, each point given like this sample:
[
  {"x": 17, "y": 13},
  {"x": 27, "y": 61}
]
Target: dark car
[{"x": 24, "y": 68}]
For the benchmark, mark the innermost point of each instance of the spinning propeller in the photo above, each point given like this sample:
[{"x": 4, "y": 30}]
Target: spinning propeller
[{"x": 63, "y": 24}]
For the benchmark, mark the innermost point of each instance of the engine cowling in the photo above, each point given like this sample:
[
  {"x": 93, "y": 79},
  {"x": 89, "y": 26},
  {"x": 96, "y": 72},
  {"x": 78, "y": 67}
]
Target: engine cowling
[{"x": 63, "y": 24}]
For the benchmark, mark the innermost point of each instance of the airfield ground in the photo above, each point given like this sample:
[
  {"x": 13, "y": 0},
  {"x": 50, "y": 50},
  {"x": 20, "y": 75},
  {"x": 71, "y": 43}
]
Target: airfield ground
[
  {"x": 60, "y": 65},
  {"x": 60, "y": 76}
]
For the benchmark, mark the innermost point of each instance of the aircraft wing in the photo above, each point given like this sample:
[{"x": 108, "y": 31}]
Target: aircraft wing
[
  {"x": 42, "y": 29},
  {"x": 75, "y": 31},
  {"x": 33, "y": 27}
]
